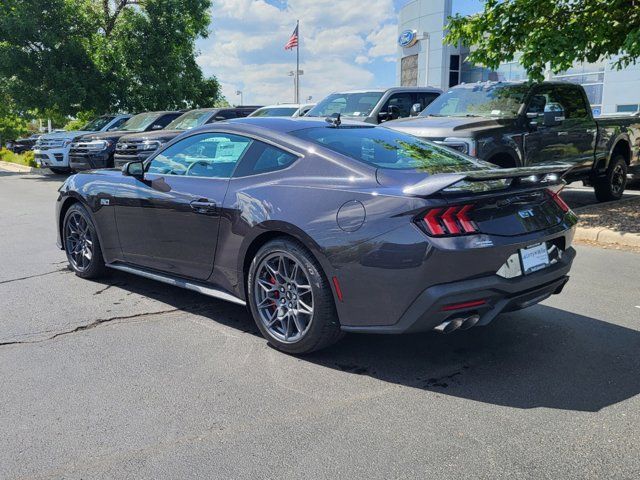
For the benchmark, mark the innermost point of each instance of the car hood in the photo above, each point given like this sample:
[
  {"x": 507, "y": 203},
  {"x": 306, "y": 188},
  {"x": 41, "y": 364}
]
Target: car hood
[
  {"x": 113, "y": 135},
  {"x": 158, "y": 135},
  {"x": 65, "y": 135},
  {"x": 441, "y": 127}
]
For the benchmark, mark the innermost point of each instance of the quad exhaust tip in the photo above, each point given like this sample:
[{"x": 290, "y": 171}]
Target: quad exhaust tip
[{"x": 465, "y": 323}]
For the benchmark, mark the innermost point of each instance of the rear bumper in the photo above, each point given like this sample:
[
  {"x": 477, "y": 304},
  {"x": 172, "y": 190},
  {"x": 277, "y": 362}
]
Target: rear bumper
[{"x": 500, "y": 294}]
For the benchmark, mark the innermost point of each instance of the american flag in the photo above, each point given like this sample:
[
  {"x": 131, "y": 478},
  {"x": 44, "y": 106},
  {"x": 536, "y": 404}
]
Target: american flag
[{"x": 293, "y": 41}]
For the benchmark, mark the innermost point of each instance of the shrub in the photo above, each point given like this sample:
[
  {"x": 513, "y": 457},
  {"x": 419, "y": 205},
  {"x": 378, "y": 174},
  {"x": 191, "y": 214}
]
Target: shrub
[{"x": 26, "y": 158}]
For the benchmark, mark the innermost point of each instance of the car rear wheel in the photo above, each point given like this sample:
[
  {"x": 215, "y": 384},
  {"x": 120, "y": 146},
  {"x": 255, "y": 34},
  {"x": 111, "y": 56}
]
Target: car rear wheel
[
  {"x": 81, "y": 243},
  {"x": 612, "y": 186},
  {"x": 290, "y": 298}
]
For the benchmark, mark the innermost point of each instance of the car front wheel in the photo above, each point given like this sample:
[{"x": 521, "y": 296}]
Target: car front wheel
[
  {"x": 81, "y": 243},
  {"x": 290, "y": 299}
]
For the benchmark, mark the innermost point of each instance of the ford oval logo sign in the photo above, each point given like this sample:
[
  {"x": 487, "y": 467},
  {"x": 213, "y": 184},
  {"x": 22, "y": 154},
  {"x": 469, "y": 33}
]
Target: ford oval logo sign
[{"x": 408, "y": 38}]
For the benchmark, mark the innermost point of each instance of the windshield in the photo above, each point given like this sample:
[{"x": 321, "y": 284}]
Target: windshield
[
  {"x": 97, "y": 124},
  {"x": 274, "y": 112},
  {"x": 139, "y": 122},
  {"x": 189, "y": 120},
  {"x": 481, "y": 100},
  {"x": 387, "y": 148},
  {"x": 350, "y": 104}
]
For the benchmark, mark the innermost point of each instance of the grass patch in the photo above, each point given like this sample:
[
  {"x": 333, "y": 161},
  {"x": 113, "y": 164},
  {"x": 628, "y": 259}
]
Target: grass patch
[{"x": 26, "y": 158}]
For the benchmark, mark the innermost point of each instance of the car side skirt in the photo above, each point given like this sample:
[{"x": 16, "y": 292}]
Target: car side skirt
[{"x": 179, "y": 282}]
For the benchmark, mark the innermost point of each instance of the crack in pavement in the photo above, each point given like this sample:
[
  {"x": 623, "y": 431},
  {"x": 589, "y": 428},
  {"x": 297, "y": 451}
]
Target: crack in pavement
[
  {"x": 89, "y": 326},
  {"x": 196, "y": 308},
  {"x": 65, "y": 269}
]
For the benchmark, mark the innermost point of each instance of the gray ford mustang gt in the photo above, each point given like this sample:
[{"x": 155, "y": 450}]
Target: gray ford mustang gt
[{"x": 323, "y": 227}]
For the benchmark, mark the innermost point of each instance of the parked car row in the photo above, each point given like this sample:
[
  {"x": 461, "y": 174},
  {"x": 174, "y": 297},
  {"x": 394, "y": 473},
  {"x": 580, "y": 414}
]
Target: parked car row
[{"x": 509, "y": 124}]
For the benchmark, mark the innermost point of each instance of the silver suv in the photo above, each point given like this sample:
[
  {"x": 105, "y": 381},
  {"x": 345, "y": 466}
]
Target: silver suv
[{"x": 376, "y": 105}]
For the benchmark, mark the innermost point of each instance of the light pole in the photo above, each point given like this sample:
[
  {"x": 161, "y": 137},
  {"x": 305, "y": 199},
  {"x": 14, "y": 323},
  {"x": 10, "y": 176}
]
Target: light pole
[
  {"x": 239, "y": 92},
  {"x": 296, "y": 93}
]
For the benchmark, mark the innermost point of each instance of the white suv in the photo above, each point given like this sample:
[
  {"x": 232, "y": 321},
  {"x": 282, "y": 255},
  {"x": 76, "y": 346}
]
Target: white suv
[{"x": 52, "y": 149}]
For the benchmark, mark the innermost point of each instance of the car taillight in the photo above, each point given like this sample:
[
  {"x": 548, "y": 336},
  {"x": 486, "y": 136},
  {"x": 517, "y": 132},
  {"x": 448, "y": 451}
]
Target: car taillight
[
  {"x": 453, "y": 220},
  {"x": 559, "y": 201}
]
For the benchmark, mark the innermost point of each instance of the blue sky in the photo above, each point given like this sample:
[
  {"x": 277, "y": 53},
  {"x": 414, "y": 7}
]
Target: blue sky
[
  {"x": 342, "y": 46},
  {"x": 345, "y": 44}
]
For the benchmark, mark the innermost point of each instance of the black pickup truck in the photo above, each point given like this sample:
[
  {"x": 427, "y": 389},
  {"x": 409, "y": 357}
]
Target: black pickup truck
[{"x": 519, "y": 124}]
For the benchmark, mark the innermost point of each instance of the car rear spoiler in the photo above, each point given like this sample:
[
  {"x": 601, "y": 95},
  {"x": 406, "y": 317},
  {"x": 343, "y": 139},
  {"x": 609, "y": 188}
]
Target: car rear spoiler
[{"x": 544, "y": 175}]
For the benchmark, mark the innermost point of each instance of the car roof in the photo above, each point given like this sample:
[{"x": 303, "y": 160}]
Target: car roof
[
  {"x": 392, "y": 90},
  {"x": 281, "y": 124}
]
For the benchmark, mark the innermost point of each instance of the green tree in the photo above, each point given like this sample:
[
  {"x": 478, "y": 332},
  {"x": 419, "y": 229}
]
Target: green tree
[
  {"x": 554, "y": 32},
  {"x": 104, "y": 55}
]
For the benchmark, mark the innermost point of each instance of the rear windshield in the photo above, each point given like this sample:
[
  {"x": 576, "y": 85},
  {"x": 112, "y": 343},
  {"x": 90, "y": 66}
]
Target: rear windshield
[
  {"x": 189, "y": 120},
  {"x": 386, "y": 148},
  {"x": 97, "y": 124},
  {"x": 275, "y": 112},
  {"x": 139, "y": 122},
  {"x": 349, "y": 104}
]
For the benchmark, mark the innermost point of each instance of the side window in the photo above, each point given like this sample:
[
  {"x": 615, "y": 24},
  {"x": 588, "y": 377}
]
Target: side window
[
  {"x": 227, "y": 114},
  {"x": 546, "y": 99},
  {"x": 403, "y": 101},
  {"x": 205, "y": 155},
  {"x": 575, "y": 107},
  {"x": 165, "y": 120},
  {"x": 117, "y": 123},
  {"x": 424, "y": 99},
  {"x": 263, "y": 158}
]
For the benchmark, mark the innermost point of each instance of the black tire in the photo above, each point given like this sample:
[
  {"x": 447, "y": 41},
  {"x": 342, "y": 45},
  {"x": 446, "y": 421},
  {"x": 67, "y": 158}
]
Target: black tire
[
  {"x": 78, "y": 219},
  {"x": 612, "y": 185},
  {"x": 323, "y": 328},
  {"x": 59, "y": 171}
]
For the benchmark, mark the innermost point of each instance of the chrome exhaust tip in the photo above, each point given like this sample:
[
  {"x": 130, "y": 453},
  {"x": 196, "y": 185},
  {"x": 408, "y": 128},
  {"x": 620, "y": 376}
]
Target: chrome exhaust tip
[
  {"x": 470, "y": 322},
  {"x": 449, "y": 326}
]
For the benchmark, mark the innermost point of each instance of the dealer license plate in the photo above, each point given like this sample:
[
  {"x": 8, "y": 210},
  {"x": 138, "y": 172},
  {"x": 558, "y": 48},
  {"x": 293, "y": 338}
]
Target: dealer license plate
[{"x": 534, "y": 258}]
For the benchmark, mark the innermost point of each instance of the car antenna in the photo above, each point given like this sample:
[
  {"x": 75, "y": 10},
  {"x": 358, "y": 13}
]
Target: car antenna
[{"x": 334, "y": 120}]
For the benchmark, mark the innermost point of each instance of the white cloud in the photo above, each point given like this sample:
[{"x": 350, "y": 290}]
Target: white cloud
[{"x": 338, "y": 40}]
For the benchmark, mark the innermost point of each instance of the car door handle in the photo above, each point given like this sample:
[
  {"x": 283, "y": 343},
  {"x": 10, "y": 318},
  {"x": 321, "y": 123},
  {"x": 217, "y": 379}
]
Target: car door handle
[
  {"x": 563, "y": 133},
  {"x": 204, "y": 207}
]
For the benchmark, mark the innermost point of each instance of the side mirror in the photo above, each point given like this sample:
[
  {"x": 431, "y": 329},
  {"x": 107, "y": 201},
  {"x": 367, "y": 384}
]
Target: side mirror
[
  {"x": 133, "y": 169},
  {"x": 156, "y": 127},
  {"x": 416, "y": 108},
  {"x": 553, "y": 118}
]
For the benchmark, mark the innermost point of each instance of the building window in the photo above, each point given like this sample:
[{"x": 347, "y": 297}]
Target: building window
[
  {"x": 454, "y": 70},
  {"x": 630, "y": 108}
]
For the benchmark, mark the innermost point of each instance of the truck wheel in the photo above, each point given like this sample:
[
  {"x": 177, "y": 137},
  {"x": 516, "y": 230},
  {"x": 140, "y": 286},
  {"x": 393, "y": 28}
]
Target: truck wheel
[
  {"x": 59, "y": 171},
  {"x": 612, "y": 185}
]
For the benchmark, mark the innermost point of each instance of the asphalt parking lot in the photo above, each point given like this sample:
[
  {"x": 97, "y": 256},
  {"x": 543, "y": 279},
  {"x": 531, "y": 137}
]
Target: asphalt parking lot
[{"x": 128, "y": 378}]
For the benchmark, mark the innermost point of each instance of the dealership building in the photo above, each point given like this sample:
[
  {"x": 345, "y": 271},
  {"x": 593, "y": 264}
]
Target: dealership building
[{"x": 424, "y": 59}]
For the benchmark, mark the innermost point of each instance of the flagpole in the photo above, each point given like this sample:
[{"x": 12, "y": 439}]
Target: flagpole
[{"x": 297, "y": 92}]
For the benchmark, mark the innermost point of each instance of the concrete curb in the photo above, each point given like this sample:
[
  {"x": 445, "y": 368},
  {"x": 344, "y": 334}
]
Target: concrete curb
[
  {"x": 605, "y": 235},
  {"x": 16, "y": 167}
]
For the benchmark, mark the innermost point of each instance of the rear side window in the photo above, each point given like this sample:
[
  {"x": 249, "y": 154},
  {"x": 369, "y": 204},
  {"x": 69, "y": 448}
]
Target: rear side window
[
  {"x": 424, "y": 99},
  {"x": 206, "y": 155},
  {"x": 262, "y": 158}
]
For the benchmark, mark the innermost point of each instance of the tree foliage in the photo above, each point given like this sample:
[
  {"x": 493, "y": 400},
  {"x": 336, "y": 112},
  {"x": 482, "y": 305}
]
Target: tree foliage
[
  {"x": 104, "y": 55},
  {"x": 555, "y": 32}
]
